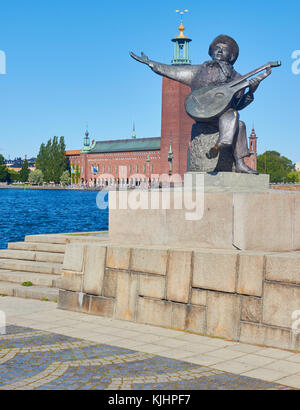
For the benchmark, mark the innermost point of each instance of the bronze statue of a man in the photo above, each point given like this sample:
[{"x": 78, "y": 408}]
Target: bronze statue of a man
[{"x": 224, "y": 52}]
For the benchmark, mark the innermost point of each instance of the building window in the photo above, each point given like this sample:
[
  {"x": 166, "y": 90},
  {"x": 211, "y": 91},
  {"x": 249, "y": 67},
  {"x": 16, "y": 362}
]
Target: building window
[{"x": 137, "y": 168}]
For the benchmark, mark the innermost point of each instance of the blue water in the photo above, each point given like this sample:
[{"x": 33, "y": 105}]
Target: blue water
[{"x": 31, "y": 212}]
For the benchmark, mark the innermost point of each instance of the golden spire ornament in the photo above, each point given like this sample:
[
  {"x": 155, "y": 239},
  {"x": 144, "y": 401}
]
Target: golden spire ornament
[{"x": 181, "y": 27}]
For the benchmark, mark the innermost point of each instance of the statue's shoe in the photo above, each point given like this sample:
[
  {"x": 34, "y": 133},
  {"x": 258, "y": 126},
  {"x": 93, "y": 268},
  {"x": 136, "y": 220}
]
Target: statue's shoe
[
  {"x": 213, "y": 153},
  {"x": 242, "y": 168}
]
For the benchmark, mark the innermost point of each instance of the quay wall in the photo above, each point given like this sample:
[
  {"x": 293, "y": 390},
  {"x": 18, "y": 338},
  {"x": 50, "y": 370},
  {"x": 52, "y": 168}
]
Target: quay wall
[{"x": 244, "y": 296}]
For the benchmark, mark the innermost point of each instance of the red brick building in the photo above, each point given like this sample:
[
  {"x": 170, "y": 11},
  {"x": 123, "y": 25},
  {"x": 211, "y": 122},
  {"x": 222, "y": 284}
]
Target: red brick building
[
  {"x": 252, "y": 160},
  {"x": 144, "y": 160},
  {"x": 131, "y": 161}
]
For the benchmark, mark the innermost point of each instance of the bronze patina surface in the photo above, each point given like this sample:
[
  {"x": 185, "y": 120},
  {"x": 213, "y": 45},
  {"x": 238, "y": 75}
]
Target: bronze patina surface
[{"x": 222, "y": 118}]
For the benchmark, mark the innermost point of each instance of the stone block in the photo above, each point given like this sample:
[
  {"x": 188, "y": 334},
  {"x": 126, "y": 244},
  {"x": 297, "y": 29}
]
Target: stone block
[
  {"x": 126, "y": 295},
  {"x": 118, "y": 257},
  {"x": 196, "y": 319},
  {"x": 251, "y": 309},
  {"x": 149, "y": 260},
  {"x": 295, "y": 344},
  {"x": 154, "y": 312},
  {"x": 199, "y": 297},
  {"x": 110, "y": 283},
  {"x": 94, "y": 269},
  {"x": 250, "y": 274},
  {"x": 260, "y": 232},
  {"x": 296, "y": 224},
  {"x": 152, "y": 286},
  {"x": 179, "y": 276},
  {"x": 71, "y": 281},
  {"x": 259, "y": 334},
  {"x": 233, "y": 182},
  {"x": 215, "y": 270},
  {"x": 23, "y": 255},
  {"x": 223, "y": 315},
  {"x": 213, "y": 229},
  {"x": 47, "y": 238},
  {"x": 226, "y": 223},
  {"x": 138, "y": 226},
  {"x": 101, "y": 306},
  {"x": 170, "y": 227},
  {"x": 283, "y": 267},
  {"x": 73, "y": 260},
  {"x": 280, "y": 301},
  {"x": 74, "y": 301},
  {"x": 179, "y": 314}
]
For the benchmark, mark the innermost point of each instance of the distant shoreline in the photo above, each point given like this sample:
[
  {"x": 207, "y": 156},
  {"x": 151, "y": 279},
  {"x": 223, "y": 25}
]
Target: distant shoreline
[{"x": 49, "y": 188}]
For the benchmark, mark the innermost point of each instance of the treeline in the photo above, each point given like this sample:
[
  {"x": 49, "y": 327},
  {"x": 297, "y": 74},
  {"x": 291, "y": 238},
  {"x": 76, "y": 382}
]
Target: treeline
[
  {"x": 10, "y": 175},
  {"x": 280, "y": 168},
  {"x": 51, "y": 166}
]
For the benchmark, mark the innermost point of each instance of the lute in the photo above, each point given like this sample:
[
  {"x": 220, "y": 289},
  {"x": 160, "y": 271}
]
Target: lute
[{"x": 212, "y": 101}]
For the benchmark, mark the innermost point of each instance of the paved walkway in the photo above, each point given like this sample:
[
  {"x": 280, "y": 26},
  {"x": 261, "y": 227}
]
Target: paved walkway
[{"x": 46, "y": 348}]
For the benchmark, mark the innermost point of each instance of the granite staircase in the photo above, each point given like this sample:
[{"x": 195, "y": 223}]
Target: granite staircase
[{"x": 32, "y": 269}]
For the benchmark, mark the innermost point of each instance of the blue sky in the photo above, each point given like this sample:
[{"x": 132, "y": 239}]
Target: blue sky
[{"x": 68, "y": 62}]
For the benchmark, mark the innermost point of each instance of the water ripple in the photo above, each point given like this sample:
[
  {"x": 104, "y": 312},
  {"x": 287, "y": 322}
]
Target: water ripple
[{"x": 32, "y": 212}]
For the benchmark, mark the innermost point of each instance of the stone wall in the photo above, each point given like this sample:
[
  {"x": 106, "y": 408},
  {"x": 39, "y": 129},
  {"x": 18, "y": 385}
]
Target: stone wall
[{"x": 243, "y": 296}]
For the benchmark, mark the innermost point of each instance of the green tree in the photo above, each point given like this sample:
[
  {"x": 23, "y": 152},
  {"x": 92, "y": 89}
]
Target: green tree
[
  {"x": 52, "y": 160},
  {"x": 65, "y": 178},
  {"x": 24, "y": 173},
  {"x": 277, "y": 166},
  {"x": 77, "y": 174},
  {"x": 41, "y": 160},
  {"x": 4, "y": 174},
  {"x": 14, "y": 175},
  {"x": 36, "y": 177},
  {"x": 293, "y": 176}
]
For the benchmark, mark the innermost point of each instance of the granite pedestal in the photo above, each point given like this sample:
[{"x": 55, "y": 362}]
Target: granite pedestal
[{"x": 232, "y": 211}]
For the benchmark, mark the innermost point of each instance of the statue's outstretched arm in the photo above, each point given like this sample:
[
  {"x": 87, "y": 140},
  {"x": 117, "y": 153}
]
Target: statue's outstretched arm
[{"x": 183, "y": 74}]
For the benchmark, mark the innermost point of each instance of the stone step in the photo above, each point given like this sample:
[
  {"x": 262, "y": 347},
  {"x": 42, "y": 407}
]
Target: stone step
[
  {"x": 30, "y": 266},
  {"x": 45, "y": 280},
  {"x": 33, "y": 292},
  {"x": 31, "y": 256},
  {"x": 58, "y": 239},
  {"x": 38, "y": 246}
]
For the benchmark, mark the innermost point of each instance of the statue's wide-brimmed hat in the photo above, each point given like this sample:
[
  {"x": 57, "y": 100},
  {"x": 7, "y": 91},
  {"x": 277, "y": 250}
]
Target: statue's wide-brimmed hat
[{"x": 230, "y": 42}]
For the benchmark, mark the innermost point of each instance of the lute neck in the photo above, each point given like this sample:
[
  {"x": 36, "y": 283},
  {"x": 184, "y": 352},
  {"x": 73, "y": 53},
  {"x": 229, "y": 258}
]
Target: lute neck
[{"x": 252, "y": 73}]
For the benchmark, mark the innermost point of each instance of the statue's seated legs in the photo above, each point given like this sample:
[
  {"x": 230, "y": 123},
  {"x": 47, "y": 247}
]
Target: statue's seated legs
[
  {"x": 228, "y": 128},
  {"x": 232, "y": 132}
]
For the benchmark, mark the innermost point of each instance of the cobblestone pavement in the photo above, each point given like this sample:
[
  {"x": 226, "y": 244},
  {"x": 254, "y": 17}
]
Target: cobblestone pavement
[{"x": 34, "y": 359}]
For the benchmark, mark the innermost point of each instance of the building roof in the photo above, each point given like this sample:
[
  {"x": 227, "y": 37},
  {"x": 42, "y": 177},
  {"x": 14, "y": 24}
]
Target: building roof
[
  {"x": 73, "y": 152},
  {"x": 139, "y": 144}
]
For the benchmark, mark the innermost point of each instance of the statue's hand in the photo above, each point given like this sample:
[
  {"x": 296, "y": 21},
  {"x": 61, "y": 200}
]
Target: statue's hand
[
  {"x": 143, "y": 59},
  {"x": 254, "y": 83}
]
